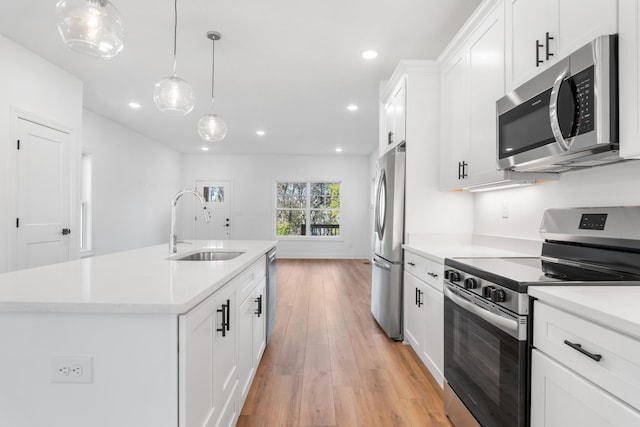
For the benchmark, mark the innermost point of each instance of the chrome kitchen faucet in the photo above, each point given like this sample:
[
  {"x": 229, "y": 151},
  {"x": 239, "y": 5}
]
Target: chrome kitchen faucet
[{"x": 173, "y": 237}]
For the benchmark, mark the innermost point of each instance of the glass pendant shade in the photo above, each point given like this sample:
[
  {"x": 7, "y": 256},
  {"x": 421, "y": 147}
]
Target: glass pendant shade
[
  {"x": 90, "y": 27},
  {"x": 174, "y": 96},
  {"x": 211, "y": 127}
]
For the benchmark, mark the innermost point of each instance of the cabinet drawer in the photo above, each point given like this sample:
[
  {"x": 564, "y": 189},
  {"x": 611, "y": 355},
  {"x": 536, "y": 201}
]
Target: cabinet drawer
[
  {"x": 577, "y": 342},
  {"x": 250, "y": 278},
  {"x": 424, "y": 269}
]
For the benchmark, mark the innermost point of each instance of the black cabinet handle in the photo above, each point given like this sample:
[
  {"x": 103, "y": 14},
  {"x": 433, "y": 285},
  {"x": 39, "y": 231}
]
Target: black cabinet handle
[
  {"x": 420, "y": 303},
  {"x": 416, "y": 297},
  {"x": 66, "y": 231},
  {"x": 223, "y": 326},
  {"x": 412, "y": 264},
  {"x": 390, "y": 138},
  {"x": 434, "y": 275},
  {"x": 462, "y": 169},
  {"x": 225, "y": 309},
  {"x": 548, "y": 53},
  {"x": 579, "y": 348},
  {"x": 258, "y": 312},
  {"x": 538, "y": 46}
]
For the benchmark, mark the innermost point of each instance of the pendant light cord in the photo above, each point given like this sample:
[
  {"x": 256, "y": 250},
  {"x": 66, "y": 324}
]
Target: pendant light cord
[
  {"x": 175, "y": 33},
  {"x": 213, "y": 64}
]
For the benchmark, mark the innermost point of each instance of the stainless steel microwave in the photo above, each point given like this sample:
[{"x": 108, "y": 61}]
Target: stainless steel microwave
[{"x": 566, "y": 117}]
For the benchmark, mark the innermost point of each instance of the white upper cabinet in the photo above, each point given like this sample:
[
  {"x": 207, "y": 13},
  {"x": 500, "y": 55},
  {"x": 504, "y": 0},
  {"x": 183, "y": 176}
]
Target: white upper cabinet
[
  {"x": 394, "y": 124},
  {"x": 454, "y": 150},
  {"x": 486, "y": 86},
  {"x": 629, "y": 75},
  {"x": 540, "y": 32}
]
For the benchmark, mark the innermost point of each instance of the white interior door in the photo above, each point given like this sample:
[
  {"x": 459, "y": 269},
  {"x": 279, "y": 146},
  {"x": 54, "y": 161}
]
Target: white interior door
[
  {"x": 218, "y": 195},
  {"x": 43, "y": 217}
]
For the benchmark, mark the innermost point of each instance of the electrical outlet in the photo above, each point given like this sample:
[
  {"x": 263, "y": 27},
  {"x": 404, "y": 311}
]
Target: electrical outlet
[
  {"x": 72, "y": 369},
  {"x": 505, "y": 209}
]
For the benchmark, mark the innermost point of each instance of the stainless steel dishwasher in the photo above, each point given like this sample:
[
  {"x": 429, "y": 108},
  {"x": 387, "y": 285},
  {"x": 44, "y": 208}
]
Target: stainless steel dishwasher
[{"x": 271, "y": 292}]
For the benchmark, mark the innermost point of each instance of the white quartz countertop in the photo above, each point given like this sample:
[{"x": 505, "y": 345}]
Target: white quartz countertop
[
  {"x": 617, "y": 307},
  {"x": 135, "y": 281},
  {"x": 437, "y": 251}
]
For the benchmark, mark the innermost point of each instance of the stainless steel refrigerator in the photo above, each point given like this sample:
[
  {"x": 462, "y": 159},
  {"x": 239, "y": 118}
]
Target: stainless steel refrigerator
[{"x": 386, "y": 277}]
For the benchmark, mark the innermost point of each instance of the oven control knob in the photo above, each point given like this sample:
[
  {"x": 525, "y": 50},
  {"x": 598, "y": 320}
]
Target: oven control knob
[
  {"x": 487, "y": 291},
  {"x": 498, "y": 295},
  {"x": 454, "y": 276},
  {"x": 470, "y": 283}
]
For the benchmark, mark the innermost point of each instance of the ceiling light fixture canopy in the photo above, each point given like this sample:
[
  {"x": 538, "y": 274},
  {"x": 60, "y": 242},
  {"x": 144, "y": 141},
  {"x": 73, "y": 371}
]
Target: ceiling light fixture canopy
[
  {"x": 90, "y": 27},
  {"x": 173, "y": 95},
  {"x": 212, "y": 127}
]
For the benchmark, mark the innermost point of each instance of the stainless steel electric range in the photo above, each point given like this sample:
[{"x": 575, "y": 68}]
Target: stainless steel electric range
[{"x": 487, "y": 309}]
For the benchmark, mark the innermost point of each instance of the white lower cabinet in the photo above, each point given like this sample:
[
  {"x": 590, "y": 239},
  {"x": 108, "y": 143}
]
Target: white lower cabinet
[
  {"x": 560, "y": 398},
  {"x": 424, "y": 312},
  {"x": 252, "y": 336},
  {"x": 582, "y": 373},
  {"x": 217, "y": 360}
]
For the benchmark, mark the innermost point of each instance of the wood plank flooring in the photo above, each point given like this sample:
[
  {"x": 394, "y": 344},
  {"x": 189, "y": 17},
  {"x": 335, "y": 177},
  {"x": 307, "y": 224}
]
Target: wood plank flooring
[{"x": 329, "y": 364}]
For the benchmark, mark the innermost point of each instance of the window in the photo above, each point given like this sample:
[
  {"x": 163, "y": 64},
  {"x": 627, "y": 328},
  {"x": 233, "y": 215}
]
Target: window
[{"x": 308, "y": 209}]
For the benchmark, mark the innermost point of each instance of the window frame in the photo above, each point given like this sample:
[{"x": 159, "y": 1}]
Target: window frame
[{"x": 307, "y": 210}]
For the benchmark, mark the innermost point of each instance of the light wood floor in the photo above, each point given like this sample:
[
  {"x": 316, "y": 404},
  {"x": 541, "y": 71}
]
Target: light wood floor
[{"x": 329, "y": 364}]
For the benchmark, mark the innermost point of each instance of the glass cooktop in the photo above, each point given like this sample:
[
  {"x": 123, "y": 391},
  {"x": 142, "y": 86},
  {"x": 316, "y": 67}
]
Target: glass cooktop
[{"x": 518, "y": 273}]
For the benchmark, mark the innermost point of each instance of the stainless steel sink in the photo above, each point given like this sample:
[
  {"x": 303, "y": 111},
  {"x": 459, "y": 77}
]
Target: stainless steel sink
[{"x": 210, "y": 255}]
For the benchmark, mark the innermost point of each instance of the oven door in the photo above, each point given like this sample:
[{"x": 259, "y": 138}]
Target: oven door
[{"x": 485, "y": 359}]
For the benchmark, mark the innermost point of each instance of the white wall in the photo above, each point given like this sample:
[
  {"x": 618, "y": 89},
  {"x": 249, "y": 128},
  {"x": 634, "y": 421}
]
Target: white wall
[
  {"x": 253, "y": 210},
  {"x": 134, "y": 179},
  {"x": 26, "y": 86},
  {"x": 611, "y": 185}
]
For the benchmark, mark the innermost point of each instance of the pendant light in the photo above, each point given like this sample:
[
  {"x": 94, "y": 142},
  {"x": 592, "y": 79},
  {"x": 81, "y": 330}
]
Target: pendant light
[
  {"x": 211, "y": 127},
  {"x": 90, "y": 27},
  {"x": 173, "y": 95}
]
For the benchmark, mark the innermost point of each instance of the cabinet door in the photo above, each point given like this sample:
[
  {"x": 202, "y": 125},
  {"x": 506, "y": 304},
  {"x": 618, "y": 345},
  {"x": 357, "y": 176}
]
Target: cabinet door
[
  {"x": 197, "y": 328},
  {"x": 225, "y": 373},
  {"x": 259, "y": 323},
  {"x": 560, "y": 398},
  {"x": 526, "y": 24},
  {"x": 399, "y": 108},
  {"x": 454, "y": 143},
  {"x": 246, "y": 312},
  {"x": 433, "y": 346},
  {"x": 414, "y": 317},
  {"x": 486, "y": 86},
  {"x": 575, "y": 23}
]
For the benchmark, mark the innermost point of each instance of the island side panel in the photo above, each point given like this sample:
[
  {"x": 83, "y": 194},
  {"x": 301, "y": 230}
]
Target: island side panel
[{"x": 135, "y": 370}]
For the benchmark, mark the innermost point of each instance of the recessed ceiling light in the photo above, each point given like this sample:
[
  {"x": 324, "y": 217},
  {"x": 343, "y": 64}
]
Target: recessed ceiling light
[
  {"x": 260, "y": 132},
  {"x": 369, "y": 54},
  {"x": 352, "y": 107},
  {"x": 205, "y": 148},
  {"x": 338, "y": 150},
  {"x": 135, "y": 105}
]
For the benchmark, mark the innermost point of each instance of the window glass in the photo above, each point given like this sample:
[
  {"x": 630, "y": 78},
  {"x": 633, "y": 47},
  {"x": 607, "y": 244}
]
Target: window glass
[{"x": 308, "y": 209}]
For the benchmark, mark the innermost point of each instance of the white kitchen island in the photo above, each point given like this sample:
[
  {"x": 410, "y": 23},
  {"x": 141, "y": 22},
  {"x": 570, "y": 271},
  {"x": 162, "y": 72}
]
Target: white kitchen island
[{"x": 133, "y": 338}]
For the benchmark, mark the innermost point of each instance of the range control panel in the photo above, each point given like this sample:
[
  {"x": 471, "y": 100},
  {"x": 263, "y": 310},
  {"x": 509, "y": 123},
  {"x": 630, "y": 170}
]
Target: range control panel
[{"x": 492, "y": 292}]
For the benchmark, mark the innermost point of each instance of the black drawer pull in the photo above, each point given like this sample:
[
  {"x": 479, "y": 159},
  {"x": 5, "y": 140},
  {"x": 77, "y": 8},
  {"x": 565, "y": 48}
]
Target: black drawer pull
[
  {"x": 412, "y": 264},
  {"x": 434, "y": 275},
  {"x": 579, "y": 348}
]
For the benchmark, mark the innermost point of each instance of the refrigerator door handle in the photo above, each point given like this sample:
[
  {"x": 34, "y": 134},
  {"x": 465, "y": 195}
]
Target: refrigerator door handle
[
  {"x": 382, "y": 266},
  {"x": 381, "y": 204}
]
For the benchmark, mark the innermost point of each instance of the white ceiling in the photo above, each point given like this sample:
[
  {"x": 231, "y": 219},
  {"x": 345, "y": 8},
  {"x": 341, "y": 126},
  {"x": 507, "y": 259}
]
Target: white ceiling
[{"x": 289, "y": 67}]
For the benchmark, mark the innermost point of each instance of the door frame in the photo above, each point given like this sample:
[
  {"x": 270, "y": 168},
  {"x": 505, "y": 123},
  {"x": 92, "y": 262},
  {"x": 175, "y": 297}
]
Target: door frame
[{"x": 17, "y": 114}]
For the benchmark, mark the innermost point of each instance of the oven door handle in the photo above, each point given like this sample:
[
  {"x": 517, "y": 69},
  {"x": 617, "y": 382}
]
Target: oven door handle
[{"x": 509, "y": 326}]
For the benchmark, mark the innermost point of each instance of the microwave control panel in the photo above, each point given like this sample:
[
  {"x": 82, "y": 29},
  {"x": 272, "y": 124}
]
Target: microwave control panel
[{"x": 581, "y": 85}]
